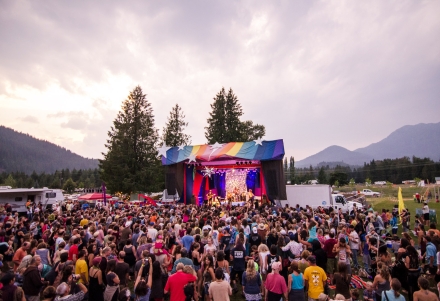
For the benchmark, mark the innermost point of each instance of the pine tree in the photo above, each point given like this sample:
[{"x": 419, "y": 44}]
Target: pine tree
[
  {"x": 131, "y": 163},
  {"x": 173, "y": 131},
  {"x": 233, "y": 112},
  {"x": 215, "y": 131},
  {"x": 224, "y": 124},
  {"x": 322, "y": 177},
  {"x": 292, "y": 170}
]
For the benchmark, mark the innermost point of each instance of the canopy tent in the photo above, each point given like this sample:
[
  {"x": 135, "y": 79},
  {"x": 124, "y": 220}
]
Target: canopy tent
[
  {"x": 255, "y": 165},
  {"x": 94, "y": 196},
  {"x": 253, "y": 150}
]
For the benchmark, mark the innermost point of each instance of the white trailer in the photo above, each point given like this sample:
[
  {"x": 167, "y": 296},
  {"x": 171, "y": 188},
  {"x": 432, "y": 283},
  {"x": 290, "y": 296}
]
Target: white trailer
[
  {"x": 17, "y": 197},
  {"x": 316, "y": 196}
]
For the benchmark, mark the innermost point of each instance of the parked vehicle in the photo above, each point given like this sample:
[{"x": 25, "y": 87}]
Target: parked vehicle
[
  {"x": 17, "y": 197},
  {"x": 316, "y": 196},
  {"x": 368, "y": 192}
]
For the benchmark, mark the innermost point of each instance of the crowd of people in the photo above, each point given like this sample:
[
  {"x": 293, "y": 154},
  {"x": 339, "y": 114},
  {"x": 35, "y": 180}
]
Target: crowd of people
[{"x": 188, "y": 252}]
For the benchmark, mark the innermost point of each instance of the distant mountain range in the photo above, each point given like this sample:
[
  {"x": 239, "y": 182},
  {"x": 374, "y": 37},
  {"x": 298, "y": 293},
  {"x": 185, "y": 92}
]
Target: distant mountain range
[
  {"x": 22, "y": 152},
  {"x": 421, "y": 140}
]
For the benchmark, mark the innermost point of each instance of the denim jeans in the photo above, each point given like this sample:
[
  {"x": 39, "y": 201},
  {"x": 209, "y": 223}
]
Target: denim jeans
[{"x": 355, "y": 257}]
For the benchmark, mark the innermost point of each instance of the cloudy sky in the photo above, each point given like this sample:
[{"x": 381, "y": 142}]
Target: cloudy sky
[{"x": 315, "y": 73}]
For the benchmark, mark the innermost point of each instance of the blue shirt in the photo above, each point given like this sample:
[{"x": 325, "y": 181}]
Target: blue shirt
[
  {"x": 297, "y": 282},
  {"x": 391, "y": 297},
  {"x": 431, "y": 251},
  {"x": 187, "y": 241}
]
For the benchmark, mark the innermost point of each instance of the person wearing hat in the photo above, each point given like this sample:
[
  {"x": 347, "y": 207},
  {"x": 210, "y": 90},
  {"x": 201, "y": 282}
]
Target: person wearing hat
[
  {"x": 262, "y": 232},
  {"x": 254, "y": 238},
  {"x": 95, "y": 281},
  {"x": 275, "y": 285},
  {"x": 315, "y": 279}
]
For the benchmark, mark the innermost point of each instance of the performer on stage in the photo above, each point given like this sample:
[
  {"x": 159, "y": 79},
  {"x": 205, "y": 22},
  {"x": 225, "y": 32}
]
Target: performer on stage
[
  {"x": 209, "y": 197},
  {"x": 251, "y": 197}
]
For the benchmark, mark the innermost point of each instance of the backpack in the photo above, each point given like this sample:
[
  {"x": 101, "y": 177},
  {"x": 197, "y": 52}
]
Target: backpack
[{"x": 234, "y": 233}]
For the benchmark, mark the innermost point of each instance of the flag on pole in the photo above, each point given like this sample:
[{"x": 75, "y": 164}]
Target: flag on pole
[
  {"x": 400, "y": 199},
  {"x": 104, "y": 193}
]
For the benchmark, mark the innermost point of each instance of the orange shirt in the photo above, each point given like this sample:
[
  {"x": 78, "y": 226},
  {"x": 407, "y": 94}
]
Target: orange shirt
[
  {"x": 18, "y": 256},
  {"x": 153, "y": 218}
]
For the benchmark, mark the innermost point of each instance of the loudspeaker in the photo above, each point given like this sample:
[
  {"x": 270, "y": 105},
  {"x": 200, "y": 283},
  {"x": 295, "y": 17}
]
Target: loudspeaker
[
  {"x": 272, "y": 183},
  {"x": 170, "y": 183}
]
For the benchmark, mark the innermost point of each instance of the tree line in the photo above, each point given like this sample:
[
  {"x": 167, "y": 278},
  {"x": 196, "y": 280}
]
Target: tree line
[
  {"x": 65, "y": 178},
  {"x": 131, "y": 162},
  {"x": 391, "y": 170}
]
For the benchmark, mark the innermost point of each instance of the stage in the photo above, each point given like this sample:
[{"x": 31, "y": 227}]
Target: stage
[{"x": 232, "y": 172}]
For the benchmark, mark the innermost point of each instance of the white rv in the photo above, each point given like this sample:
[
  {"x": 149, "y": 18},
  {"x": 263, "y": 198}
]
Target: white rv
[{"x": 17, "y": 197}]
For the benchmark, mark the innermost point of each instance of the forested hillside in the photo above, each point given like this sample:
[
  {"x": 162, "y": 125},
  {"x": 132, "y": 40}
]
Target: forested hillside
[{"x": 24, "y": 153}]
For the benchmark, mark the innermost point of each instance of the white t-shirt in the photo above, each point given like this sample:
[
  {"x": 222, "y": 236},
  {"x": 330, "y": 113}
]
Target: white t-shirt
[
  {"x": 354, "y": 245},
  {"x": 425, "y": 209}
]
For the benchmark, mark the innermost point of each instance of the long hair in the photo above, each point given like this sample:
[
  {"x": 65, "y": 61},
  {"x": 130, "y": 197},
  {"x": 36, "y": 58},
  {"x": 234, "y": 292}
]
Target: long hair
[
  {"x": 342, "y": 269},
  {"x": 413, "y": 255},
  {"x": 385, "y": 272},
  {"x": 211, "y": 262},
  {"x": 396, "y": 286},
  {"x": 111, "y": 265},
  {"x": 251, "y": 272}
]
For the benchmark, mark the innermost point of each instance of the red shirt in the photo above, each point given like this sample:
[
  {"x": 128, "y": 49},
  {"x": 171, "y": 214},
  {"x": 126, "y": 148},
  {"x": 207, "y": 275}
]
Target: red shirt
[
  {"x": 328, "y": 247},
  {"x": 73, "y": 250},
  {"x": 176, "y": 283}
]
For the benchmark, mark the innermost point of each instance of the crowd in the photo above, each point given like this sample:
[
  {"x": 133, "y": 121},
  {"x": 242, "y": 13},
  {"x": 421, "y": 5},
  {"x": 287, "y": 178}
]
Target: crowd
[{"x": 189, "y": 252}]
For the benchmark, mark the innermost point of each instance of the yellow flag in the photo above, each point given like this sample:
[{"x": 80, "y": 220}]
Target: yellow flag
[{"x": 400, "y": 199}]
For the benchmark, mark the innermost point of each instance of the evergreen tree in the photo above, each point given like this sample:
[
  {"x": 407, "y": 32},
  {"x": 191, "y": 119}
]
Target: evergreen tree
[
  {"x": 251, "y": 131},
  {"x": 173, "y": 131},
  {"x": 215, "y": 131},
  {"x": 224, "y": 124},
  {"x": 322, "y": 176},
  {"x": 131, "y": 163},
  {"x": 233, "y": 112},
  {"x": 292, "y": 170}
]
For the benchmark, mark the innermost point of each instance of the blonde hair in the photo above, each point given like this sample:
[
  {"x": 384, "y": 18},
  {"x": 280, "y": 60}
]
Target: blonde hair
[
  {"x": 263, "y": 248},
  {"x": 305, "y": 254},
  {"x": 250, "y": 270}
]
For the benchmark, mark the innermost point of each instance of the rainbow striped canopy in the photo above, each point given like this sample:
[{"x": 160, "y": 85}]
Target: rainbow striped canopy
[{"x": 268, "y": 150}]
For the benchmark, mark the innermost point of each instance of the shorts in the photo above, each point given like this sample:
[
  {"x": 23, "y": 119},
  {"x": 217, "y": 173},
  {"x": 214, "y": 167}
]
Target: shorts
[
  {"x": 331, "y": 265},
  {"x": 196, "y": 268},
  {"x": 426, "y": 216},
  {"x": 362, "y": 237},
  {"x": 432, "y": 270}
]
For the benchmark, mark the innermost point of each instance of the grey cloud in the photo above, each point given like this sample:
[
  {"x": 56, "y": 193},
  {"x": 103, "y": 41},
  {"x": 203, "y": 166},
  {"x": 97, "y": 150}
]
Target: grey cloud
[
  {"x": 315, "y": 73},
  {"x": 30, "y": 119}
]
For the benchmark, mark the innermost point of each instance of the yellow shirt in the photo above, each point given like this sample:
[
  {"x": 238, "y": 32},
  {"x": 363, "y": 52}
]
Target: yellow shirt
[
  {"x": 84, "y": 222},
  {"x": 315, "y": 276},
  {"x": 81, "y": 267}
]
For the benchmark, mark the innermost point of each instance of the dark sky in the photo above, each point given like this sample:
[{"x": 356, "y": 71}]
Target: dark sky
[{"x": 315, "y": 73}]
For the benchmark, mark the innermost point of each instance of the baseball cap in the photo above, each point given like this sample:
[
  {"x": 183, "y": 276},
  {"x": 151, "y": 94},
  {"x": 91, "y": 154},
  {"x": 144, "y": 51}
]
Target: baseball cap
[
  {"x": 312, "y": 259},
  {"x": 283, "y": 232},
  {"x": 255, "y": 230}
]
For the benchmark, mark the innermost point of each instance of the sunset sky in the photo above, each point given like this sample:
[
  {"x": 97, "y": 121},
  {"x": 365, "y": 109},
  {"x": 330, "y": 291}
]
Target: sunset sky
[{"x": 315, "y": 73}]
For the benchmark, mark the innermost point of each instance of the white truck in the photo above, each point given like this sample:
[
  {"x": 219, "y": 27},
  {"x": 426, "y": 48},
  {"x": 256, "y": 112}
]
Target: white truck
[
  {"x": 316, "y": 196},
  {"x": 368, "y": 192}
]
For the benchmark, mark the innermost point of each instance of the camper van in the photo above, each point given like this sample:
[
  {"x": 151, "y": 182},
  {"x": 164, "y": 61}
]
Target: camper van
[{"x": 17, "y": 197}]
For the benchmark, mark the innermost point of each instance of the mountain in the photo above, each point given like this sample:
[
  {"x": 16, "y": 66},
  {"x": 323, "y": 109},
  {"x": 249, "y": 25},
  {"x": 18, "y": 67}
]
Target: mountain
[
  {"x": 334, "y": 153},
  {"x": 421, "y": 140},
  {"x": 22, "y": 152}
]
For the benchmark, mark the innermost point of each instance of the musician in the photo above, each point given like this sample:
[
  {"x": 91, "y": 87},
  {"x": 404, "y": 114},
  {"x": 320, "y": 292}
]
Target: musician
[
  {"x": 210, "y": 197},
  {"x": 252, "y": 198}
]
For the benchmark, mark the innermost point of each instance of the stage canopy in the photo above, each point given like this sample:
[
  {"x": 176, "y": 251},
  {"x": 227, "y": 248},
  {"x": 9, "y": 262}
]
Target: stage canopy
[
  {"x": 255, "y": 165},
  {"x": 258, "y": 150}
]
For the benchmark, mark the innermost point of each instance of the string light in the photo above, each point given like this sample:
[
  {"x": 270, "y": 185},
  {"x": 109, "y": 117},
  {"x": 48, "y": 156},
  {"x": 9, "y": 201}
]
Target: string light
[{"x": 236, "y": 179}]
